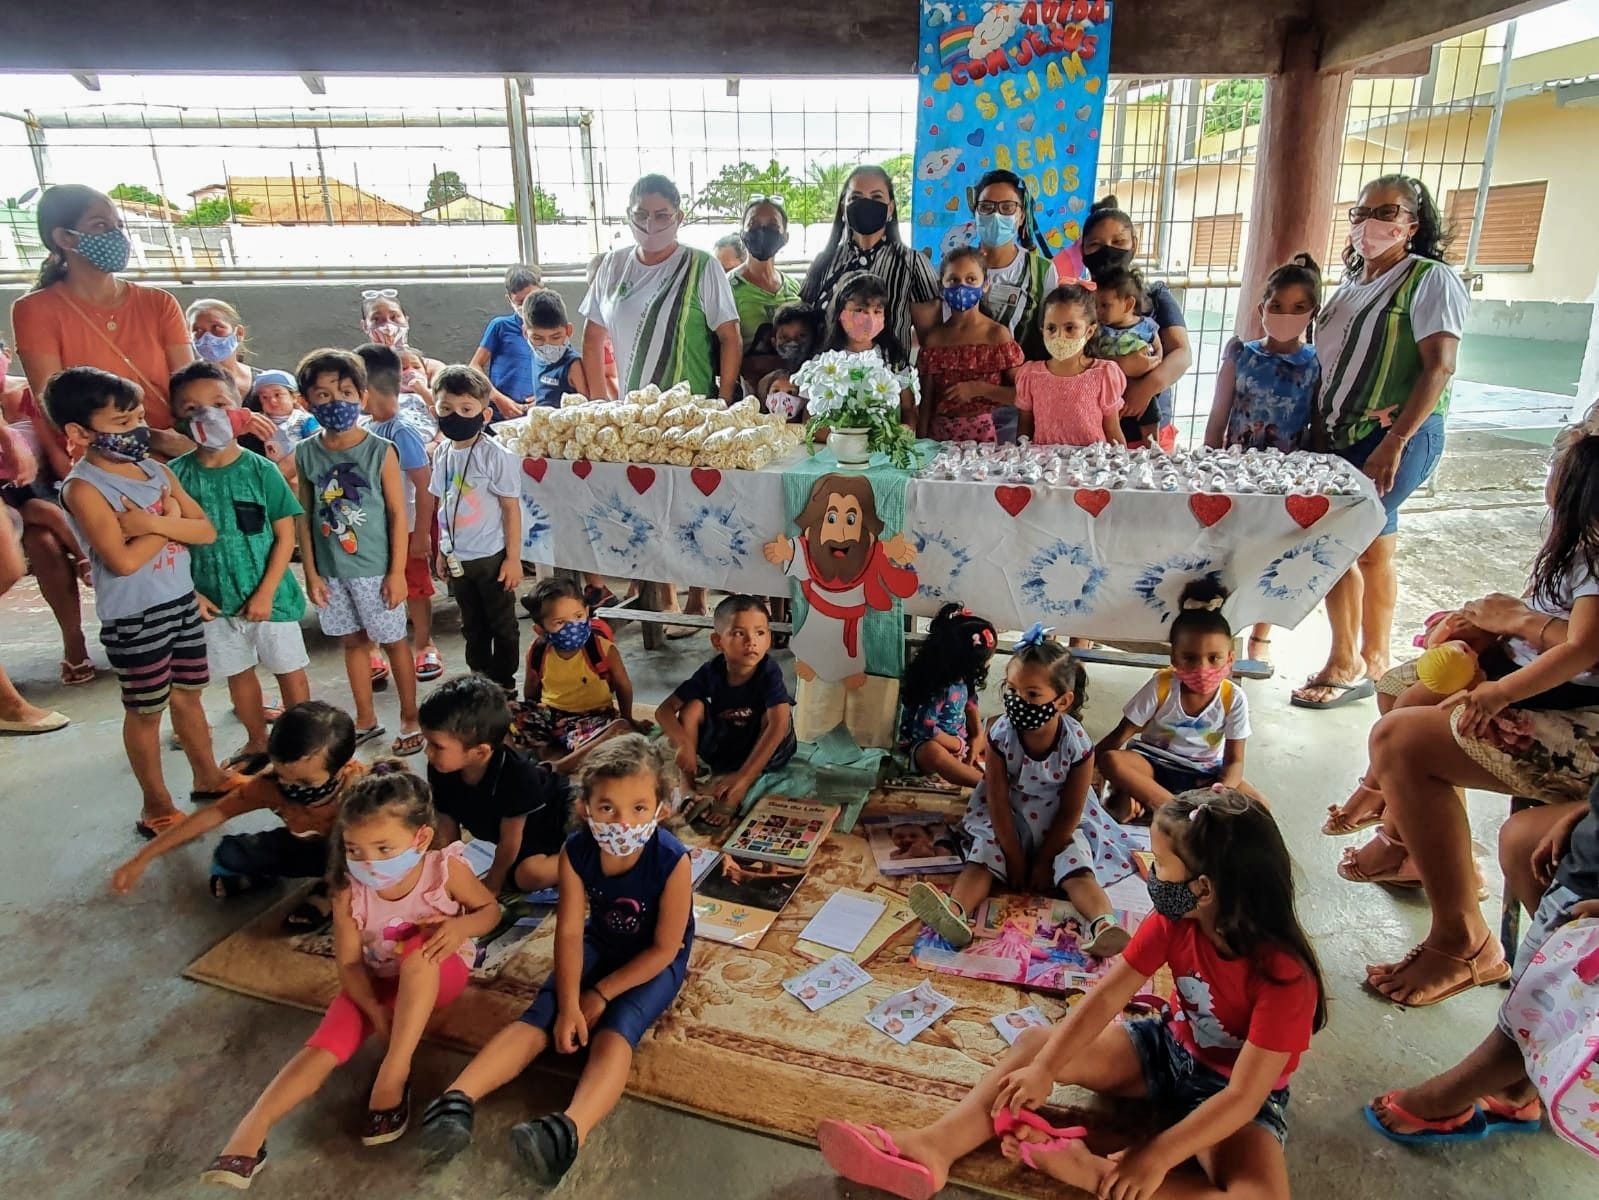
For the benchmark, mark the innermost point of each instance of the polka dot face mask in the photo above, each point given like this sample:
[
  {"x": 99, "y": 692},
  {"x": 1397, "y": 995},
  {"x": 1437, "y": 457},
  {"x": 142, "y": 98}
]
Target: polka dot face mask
[{"x": 1024, "y": 716}]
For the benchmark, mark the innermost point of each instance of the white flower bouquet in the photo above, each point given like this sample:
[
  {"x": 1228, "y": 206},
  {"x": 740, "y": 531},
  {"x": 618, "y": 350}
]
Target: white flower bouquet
[{"x": 844, "y": 390}]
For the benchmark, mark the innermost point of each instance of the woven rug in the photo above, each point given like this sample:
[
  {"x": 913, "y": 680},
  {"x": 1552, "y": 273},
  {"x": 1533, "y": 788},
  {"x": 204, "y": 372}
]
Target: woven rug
[{"x": 735, "y": 1047}]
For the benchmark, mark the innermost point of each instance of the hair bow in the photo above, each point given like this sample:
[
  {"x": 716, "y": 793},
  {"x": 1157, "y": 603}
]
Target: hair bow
[
  {"x": 984, "y": 638},
  {"x": 1205, "y": 605},
  {"x": 1035, "y": 636}
]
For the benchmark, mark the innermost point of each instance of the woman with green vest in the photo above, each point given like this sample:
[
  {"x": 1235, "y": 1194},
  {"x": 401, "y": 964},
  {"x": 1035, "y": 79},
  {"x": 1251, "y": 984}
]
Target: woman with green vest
[
  {"x": 1020, "y": 274},
  {"x": 1386, "y": 341},
  {"x": 666, "y": 307}
]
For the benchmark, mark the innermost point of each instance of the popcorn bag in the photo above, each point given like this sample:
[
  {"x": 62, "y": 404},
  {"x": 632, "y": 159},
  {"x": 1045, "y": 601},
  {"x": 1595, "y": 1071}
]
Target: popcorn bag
[{"x": 1554, "y": 1010}]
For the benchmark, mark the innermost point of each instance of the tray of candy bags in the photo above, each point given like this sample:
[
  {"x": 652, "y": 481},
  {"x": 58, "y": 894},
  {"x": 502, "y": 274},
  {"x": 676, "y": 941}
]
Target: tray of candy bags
[{"x": 1149, "y": 469}]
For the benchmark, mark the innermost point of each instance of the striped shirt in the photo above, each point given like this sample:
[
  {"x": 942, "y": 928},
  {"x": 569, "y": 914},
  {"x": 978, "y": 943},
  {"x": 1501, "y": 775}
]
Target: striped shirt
[
  {"x": 908, "y": 277},
  {"x": 1366, "y": 340}
]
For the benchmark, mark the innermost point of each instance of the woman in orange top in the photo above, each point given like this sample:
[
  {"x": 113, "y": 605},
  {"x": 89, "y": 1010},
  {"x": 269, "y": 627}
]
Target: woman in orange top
[{"x": 80, "y": 314}]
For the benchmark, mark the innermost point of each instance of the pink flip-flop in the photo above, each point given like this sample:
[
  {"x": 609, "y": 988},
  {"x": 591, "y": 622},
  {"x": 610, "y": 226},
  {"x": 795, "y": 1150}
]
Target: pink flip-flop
[
  {"x": 854, "y": 1157},
  {"x": 1006, "y": 1121}
]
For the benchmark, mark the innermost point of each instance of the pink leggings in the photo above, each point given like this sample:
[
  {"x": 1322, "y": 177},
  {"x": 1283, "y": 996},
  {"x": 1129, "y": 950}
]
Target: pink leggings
[{"x": 344, "y": 1026}]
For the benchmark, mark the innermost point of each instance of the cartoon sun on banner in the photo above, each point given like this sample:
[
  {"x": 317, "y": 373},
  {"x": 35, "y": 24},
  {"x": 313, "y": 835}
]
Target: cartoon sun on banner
[{"x": 1012, "y": 86}]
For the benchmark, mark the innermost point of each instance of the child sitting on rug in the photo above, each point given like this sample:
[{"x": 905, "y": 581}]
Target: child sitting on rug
[
  {"x": 483, "y": 787},
  {"x": 939, "y": 730},
  {"x": 404, "y": 916},
  {"x": 1186, "y": 726},
  {"x": 735, "y": 713},
  {"x": 576, "y": 692},
  {"x": 309, "y": 752},
  {"x": 1248, "y": 995},
  {"x": 614, "y": 974},
  {"x": 1033, "y": 823},
  {"x": 967, "y": 363}
]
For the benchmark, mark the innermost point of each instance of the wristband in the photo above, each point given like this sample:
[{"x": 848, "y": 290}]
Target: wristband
[{"x": 595, "y": 988}]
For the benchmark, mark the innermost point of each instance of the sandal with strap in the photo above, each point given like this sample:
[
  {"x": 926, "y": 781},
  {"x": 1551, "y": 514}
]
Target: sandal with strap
[
  {"x": 547, "y": 1147},
  {"x": 1349, "y": 866},
  {"x": 407, "y": 744},
  {"x": 76, "y": 674},
  {"x": 385, "y": 1125},
  {"x": 150, "y": 828},
  {"x": 312, "y": 913},
  {"x": 849, "y": 1152},
  {"x": 447, "y": 1125},
  {"x": 1338, "y": 824},
  {"x": 1479, "y": 976},
  {"x": 940, "y": 913},
  {"x": 1468, "y": 1126},
  {"x": 1106, "y": 937},
  {"x": 235, "y": 1170}
]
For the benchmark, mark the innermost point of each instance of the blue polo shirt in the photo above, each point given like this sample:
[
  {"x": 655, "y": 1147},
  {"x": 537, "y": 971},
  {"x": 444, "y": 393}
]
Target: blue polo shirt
[{"x": 510, "y": 357}]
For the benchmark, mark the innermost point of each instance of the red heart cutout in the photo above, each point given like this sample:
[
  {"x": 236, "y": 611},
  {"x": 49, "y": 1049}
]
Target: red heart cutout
[
  {"x": 1091, "y": 500},
  {"x": 1307, "y": 510},
  {"x": 1209, "y": 508},
  {"x": 933, "y": 129},
  {"x": 535, "y": 467},
  {"x": 582, "y": 467},
  {"x": 707, "y": 479},
  {"x": 1013, "y": 499},
  {"x": 641, "y": 478}
]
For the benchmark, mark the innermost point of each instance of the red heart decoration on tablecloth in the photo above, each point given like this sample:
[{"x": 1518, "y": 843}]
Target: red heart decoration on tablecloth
[
  {"x": 1013, "y": 499},
  {"x": 1307, "y": 510},
  {"x": 535, "y": 468},
  {"x": 1091, "y": 500},
  {"x": 707, "y": 479},
  {"x": 642, "y": 478},
  {"x": 582, "y": 467},
  {"x": 1209, "y": 509}
]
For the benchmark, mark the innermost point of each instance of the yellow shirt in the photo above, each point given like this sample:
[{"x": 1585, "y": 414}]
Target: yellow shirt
[{"x": 570, "y": 683}]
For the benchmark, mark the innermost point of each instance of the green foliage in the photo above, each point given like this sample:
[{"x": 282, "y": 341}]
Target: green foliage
[
  {"x": 1234, "y": 104},
  {"x": 217, "y": 210},
  {"x": 899, "y": 173},
  {"x": 546, "y": 208},
  {"x": 727, "y": 194},
  {"x": 137, "y": 193},
  {"x": 444, "y": 187}
]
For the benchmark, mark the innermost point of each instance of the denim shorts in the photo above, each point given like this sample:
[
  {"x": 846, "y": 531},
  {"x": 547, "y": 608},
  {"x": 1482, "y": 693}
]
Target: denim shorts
[
  {"x": 630, "y": 1014},
  {"x": 1417, "y": 461},
  {"x": 1179, "y": 1082},
  {"x": 1177, "y": 779}
]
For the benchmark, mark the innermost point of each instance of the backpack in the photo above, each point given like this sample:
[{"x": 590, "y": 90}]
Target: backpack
[{"x": 598, "y": 628}]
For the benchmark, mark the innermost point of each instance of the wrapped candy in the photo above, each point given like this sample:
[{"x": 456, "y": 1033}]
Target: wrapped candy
[{"x": 680, "y": 458}]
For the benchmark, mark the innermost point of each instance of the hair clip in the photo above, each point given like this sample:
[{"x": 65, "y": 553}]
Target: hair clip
[
  {"x": 1193, "y": 813},
  {"x": 1204, "y": 605},
  {"x": 1035, "y": 636},
  {"x": 384, "y": 767}
]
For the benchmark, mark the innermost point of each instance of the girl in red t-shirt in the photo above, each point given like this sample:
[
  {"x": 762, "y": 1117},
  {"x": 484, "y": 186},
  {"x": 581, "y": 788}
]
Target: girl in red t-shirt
[{"x": 1248, "y": 995}]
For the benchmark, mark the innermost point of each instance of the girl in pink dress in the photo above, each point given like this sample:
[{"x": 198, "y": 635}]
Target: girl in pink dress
[
  {"x": 1071, "y": 400},
  {"x": 404, "y": 916},
  {"x": 966, "y": 364}
]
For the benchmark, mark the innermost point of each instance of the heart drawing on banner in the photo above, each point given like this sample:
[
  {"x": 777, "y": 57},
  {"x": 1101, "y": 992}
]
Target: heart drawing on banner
[
  {"x": 1013, "y": 499},
  {"x": 642, "y": 478},
  {"x": 535, "y": 468},
  {"x": 581, "y": 468},
  {"x": 1307, "y": 510},
  {"x": 707, "y": 479},
  {"x": 1091, "y": 500},
  {"x": 1209, "y": 509}
]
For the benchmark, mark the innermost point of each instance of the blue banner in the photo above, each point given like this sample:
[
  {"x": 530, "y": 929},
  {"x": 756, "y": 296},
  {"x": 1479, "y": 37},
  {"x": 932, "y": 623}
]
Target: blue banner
[{"x": 1012, "y": 86}]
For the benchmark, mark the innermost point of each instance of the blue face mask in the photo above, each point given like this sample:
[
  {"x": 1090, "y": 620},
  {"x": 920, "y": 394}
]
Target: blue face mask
[
  {"x": 385, "y": 872},
  {"x": 961, "y": 296},
  {"x": 574, "y": 635},
  {"x": 996, "y": 229},
  {"x": 212, "y": 348},
  {"x": 337, "y": 416},
  {"x": 106, "y": 251}
]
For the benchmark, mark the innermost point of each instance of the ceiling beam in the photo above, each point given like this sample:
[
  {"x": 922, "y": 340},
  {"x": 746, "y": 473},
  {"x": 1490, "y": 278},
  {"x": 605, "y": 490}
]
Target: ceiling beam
[
  {"x": 314, "y": 84},
  {"x": 1360, "y": 32},
  {"x": 89, "y": 80}
]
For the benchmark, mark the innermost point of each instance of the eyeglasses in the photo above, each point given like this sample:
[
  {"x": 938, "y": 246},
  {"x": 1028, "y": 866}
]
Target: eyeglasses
[
  {"x": 650, "y": 222},
  {"x": 758, "y": 199},
  {"x": 1383, "y": 212},
  {"x": 380, "y": 294},
  {"x": 1009, "y": 208}
]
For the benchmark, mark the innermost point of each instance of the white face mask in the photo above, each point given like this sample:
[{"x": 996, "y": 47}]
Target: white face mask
[
  {"x": 1373, "y": 238},
  {"x": 548, "y": 354},
  {"x": 623, "y": 840}
]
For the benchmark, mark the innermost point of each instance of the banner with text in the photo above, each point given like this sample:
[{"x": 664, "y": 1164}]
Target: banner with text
[{"x": 1012, "y": 86}]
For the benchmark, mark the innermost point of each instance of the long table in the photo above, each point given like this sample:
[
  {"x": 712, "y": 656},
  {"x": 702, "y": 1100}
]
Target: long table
[{"x": 1092, "y": 563}]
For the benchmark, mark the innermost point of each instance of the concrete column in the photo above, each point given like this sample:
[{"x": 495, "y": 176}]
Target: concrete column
[{"x": 1296, "y": 168}]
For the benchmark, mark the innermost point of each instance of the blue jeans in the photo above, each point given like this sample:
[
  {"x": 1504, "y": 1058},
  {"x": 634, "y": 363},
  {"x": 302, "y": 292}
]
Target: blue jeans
[{"x": 1417, "y": 461}]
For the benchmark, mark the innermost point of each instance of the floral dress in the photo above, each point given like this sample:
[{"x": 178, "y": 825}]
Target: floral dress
[
  {"x": 945, "y": 713},
  {"x": 942, "y": 367}
]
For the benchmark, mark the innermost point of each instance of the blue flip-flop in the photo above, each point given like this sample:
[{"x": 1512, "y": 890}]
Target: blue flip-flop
[
  {"x": 1501, "y": 1117},
  {"x": 1472, "y": 1129}
]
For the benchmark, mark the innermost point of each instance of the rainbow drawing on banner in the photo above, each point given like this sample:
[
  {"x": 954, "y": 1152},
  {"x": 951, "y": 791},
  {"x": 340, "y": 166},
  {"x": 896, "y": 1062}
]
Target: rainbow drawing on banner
[{"x": 952, "y": 44}]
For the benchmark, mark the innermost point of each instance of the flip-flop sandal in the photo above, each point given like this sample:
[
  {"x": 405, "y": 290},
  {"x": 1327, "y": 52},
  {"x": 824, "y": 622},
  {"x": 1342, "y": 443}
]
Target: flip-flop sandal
[
  {"x": 852, "y": 1155},
  {"x": 447, "y": 1125},
  {"x": 154, "y": 827},
  {"x": 210, "y": 797},
  {"x": 1478, "y": 977},
  {"x": 1106, "y": 938},
  {"x": 547, "y": 1147},
  {"x": 940, "y": 913},
  {"x": 312, "y": 913},
  {"x": 380, "y": 672},
  {"x": 370, "y": 734},
  {"x": 429, "y": 666},
  {"x": 1006, "y": 1121},
  {"x": 240, "y": 758},
  {"x": 676, "y": 633},
  {"x": 235, "y": 1170},
  {"x": 408, "y": 744},
  {"x": 1468, "y": 1126},
  {"x": 385, "y": 1125},
  {"x": 1348, "y": 693},
  {"x": 1338, "y": 825},
  {"x": 76, "y": 674},
  {"x": 271, "y": 711},
  {"x": 1507, "y": 1118}
]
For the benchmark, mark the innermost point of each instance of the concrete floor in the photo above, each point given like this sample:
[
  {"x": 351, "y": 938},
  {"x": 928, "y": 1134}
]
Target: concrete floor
[{"x": 117, "y": 1077}]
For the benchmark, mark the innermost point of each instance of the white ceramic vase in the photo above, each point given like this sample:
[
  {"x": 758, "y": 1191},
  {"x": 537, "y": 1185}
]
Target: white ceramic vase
[{"x": 852, "y": 447}]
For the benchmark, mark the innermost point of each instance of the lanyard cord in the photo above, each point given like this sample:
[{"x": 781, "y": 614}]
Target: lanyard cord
[{"x": 460, "y": 489}]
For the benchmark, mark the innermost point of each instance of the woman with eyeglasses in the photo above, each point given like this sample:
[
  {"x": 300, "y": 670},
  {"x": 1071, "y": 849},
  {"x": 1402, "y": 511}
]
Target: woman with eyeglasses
[
  {"x": 1387, "y": 341},
  {"x": 384, "y": 322},
  {"x": 80, "y": 314},
  {"x": 760, "y": 290},
  {"x": 1020, "y": 274},
  {"x": 868, "y": 214}
]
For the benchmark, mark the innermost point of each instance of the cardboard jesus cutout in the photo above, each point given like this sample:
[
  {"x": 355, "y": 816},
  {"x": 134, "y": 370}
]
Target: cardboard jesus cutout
[{"x": 844, "y": 569}]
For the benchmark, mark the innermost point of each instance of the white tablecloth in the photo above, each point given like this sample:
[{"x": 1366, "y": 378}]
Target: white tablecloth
[{"x": 1106, "y": 565}]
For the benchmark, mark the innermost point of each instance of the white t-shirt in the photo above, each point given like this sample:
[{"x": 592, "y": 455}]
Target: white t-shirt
[
  {"x": 624, "y": 288},
  {"x": 1198, "y": 739},
  {"x": 1007, "y": 291},
  {"x": 469, "y": 484},
  {"x": 1578, "y": 583}
]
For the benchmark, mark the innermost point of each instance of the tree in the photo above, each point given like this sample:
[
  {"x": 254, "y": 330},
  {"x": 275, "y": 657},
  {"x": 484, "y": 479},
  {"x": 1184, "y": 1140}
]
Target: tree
[
  {"x": 729, "y": 192},
  {"x": 546, "y": 208},
  {"x": 215, "y": 210},
  {"x": 1234, "y": 104},
  {"x": 444, "y": 187},
  {"x": 137, "y": 193},
  {"x": 899, "y": 174}
]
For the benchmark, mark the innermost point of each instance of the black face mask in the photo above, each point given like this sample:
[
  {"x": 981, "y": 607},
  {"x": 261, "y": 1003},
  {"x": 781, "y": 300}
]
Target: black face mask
[
  {"x": 866, "y": 216},
  {"x": 308, "y": 793},
  {"x": 793, "y": 353},
  {"x": 1107, "y": 258},
  {"x": 764, "y": 241},
  {"x": 461, "y": 429}
]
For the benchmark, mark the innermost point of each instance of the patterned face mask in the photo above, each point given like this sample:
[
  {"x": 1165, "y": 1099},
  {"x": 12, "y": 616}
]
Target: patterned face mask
[
  {"x": 551, "y": 353},
  {"x": 337, "y": 416},
  {"x": 106, "y": 251},
  {"x": 1172, "y": 900},
  {"x": 1023, "y": 715},
  {"x": 622, "y": 840},
  {"x": 961, "y": 296},
  {"x": 1063, "y": 349},
  {"x": 574, "y": 635},
  {"x": 308, "y": 793},
  {"x": 130, "y": 446}
]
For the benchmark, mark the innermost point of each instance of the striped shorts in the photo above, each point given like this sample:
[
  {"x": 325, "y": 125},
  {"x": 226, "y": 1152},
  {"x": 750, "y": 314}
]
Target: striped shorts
[{"x": 155, "y": 651}]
